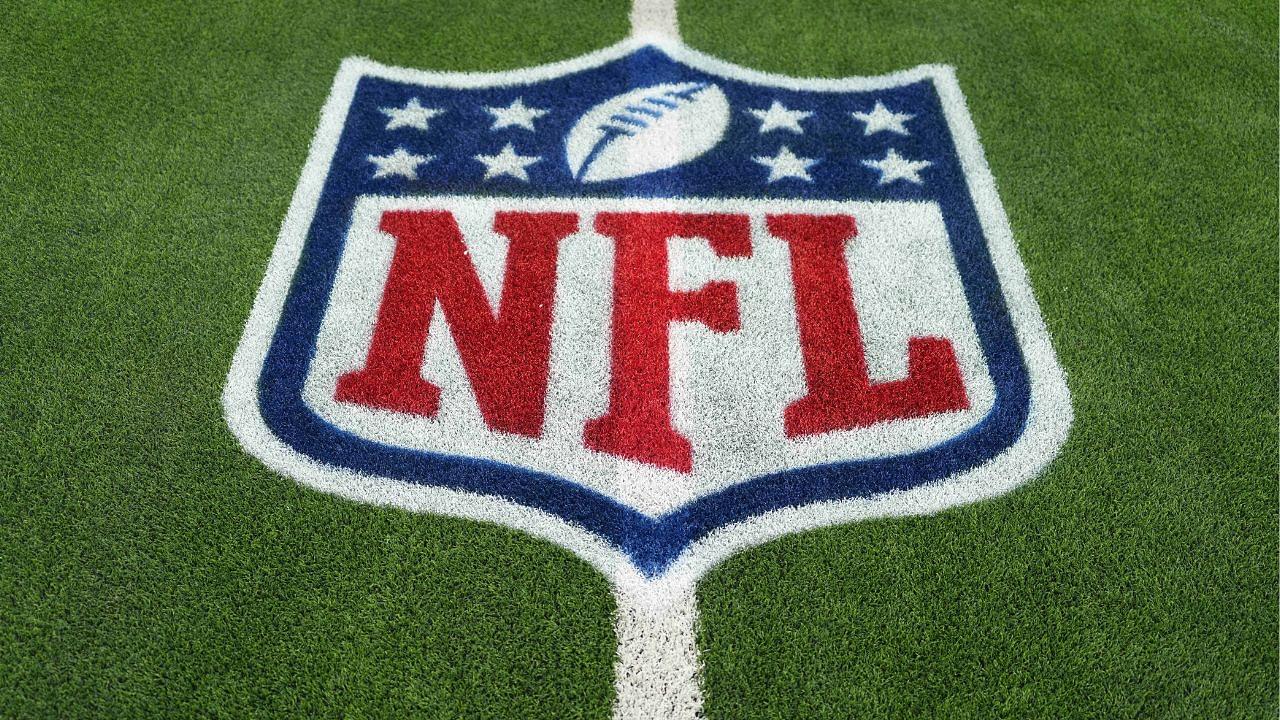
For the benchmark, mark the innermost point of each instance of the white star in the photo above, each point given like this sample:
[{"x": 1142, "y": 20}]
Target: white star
[
  {"x": 507, "y": 162},
  {"x": 882, "y": 118},
  {"x": 895, "y": 167},
  {"x": 778, "y": 117},
  {"x": 411, "y": 115},
  {"x": 787, "y": 165},
  {"x": 515, "y": 115},
  {"x": 401, "y": 162}
]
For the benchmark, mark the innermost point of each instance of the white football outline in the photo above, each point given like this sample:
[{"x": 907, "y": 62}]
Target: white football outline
[{"x": 646, "y": 130}]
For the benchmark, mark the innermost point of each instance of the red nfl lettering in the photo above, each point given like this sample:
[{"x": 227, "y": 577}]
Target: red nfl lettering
[{"x": 506, "y": 352}]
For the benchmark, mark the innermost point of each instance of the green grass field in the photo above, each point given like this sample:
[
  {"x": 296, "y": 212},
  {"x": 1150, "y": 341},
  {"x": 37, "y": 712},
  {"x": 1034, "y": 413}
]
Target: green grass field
[{"x": 149, "y": 567}]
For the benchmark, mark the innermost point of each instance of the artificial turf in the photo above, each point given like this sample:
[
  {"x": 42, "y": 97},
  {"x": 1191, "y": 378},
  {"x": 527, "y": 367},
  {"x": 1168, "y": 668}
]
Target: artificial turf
[{"x": 148, "y": 567}]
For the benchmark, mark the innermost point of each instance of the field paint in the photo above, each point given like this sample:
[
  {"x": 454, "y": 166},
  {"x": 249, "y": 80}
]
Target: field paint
[
  {"x": 656, "y": 616},
  {"x": 657, "y": 672},
  {"x": 656, "y": 18}
]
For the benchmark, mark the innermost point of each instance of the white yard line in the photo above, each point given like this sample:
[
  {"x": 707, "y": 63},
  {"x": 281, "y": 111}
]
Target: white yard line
[
  {"x": 654, "y": 17},
  {"x": 657, "y": 674}
]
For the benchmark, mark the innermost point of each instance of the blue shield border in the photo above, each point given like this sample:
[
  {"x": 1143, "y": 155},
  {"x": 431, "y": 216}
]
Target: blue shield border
[{"x": 1023, "y": 431}]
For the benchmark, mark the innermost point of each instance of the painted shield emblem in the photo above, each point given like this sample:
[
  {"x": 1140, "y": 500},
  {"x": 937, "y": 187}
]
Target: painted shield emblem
[{"x": 648, "y": 305}]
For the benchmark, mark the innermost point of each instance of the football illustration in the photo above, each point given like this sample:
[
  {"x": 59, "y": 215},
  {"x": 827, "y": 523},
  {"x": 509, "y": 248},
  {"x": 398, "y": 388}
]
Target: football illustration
[{"x": 647, "y": 130}]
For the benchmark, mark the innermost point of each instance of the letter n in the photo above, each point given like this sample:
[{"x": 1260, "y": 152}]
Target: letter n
[{"x": 505, "y": 354}]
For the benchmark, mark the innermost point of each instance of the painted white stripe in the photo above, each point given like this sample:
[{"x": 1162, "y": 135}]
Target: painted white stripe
[
  {"x": 657, "y": 675},
  {"x": 654, "y": 17}
]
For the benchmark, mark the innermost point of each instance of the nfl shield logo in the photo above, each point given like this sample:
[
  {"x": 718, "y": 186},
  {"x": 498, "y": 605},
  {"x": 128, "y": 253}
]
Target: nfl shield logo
[{"x": 648, "y": 305}]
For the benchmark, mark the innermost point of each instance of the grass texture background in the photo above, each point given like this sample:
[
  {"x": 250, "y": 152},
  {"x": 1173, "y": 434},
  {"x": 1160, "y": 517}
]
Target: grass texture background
[{"x": 150, "y": 568}]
